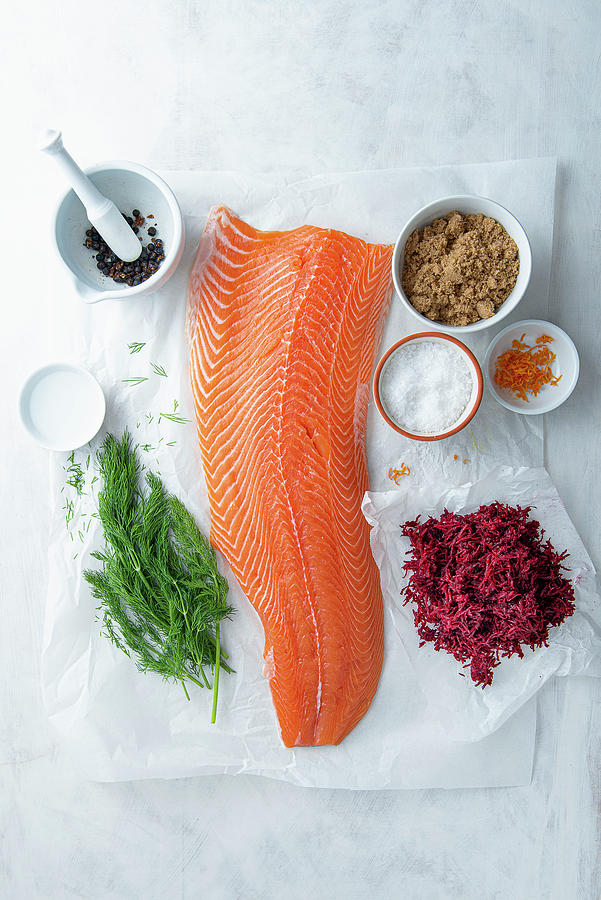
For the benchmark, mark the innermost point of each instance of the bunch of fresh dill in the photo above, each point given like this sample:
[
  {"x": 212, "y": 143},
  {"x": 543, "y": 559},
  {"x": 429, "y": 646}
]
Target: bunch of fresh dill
[{"x": 161, "y": 595}]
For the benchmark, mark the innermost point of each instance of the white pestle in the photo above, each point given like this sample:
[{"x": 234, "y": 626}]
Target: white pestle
[{"x": 102, "y": 212}]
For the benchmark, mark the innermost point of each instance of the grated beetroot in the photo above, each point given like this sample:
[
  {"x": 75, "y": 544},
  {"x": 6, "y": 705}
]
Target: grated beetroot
[{"x": 485, "y": 585}]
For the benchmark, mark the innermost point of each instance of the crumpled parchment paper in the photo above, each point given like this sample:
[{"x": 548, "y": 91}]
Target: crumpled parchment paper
[
  {"x": 466, "y": 711},
  {"x": 119, "y": 724}
]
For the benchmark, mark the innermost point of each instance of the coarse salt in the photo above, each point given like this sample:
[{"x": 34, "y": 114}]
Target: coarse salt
[{"x": 426, "y": 386}]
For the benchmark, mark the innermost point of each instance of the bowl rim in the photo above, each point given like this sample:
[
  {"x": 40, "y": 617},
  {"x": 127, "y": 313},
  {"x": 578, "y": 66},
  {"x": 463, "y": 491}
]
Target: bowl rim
[
  {"x": 506, "y": 308},
  {"x": 437, "y": 336},
  {"x": 544, "y": 324},
  {"x": 173, "y": 255},
  {"x": 49, "y": 368}
]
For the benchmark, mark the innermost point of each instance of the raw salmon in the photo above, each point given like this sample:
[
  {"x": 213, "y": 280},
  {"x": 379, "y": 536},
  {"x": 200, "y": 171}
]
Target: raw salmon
[{"x": 283, "y": 328}]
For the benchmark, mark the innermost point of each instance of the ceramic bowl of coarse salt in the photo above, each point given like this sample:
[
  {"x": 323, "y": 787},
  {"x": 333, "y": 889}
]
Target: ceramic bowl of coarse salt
[{"x": 428, "y": 386}]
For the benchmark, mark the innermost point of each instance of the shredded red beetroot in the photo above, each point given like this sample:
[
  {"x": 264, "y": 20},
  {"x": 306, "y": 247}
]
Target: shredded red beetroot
[{"x": 485, "y": 585}]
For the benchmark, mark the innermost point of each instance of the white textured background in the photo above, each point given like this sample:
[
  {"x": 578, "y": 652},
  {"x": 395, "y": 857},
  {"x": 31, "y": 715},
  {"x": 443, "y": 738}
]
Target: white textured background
[{"x": 322, "y": 86}]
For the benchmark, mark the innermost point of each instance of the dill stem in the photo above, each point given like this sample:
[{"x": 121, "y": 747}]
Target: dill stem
[
  {"x": 216, "y": 678},
  {"x": 196, "y": 681},
  {"x": 204, "y": 677},
  {"x": 138, "y": 569}
]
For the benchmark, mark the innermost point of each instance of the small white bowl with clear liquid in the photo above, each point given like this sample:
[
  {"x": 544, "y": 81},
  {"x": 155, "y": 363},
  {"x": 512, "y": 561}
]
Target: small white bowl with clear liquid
[{"x": 62, "y": 406}]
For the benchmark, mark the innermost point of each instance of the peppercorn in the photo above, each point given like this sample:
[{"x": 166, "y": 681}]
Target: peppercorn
[{"x": 130, "y": 273}]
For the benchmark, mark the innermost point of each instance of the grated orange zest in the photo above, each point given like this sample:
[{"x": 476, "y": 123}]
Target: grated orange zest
[
  {"x": 395, "y": 474},
  {"x": 525, "y": 369}
]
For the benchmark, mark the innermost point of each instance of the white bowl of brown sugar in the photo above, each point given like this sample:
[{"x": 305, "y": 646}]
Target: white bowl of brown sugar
[{"x": 461, "y": 264}]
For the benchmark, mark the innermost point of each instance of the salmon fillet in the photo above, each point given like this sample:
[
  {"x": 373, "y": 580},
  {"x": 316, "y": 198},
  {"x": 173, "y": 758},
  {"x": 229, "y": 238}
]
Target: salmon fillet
[{"x": 283, "y": 327}]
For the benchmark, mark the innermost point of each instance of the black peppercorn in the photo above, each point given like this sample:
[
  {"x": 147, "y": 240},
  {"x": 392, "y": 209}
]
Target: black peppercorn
[{"x": 130, "y": 273}]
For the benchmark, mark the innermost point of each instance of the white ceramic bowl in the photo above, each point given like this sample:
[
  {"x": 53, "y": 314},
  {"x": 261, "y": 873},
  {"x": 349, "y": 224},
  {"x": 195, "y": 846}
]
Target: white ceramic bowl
[
  {"x": 472, "y": 406},
  {"x": 129, "y": 186},
  {"x": 465, "y": 203},
  {"x": 566, "y": 364},
  {"x": 62, "y": 406}
]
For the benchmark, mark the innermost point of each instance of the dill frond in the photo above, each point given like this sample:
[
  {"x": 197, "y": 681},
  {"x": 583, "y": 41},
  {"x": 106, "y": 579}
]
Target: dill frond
[{"x": 161, "y": 596}]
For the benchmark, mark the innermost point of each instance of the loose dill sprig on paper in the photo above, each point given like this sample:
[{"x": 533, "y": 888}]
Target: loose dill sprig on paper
[
  {"x": 136, "y": 346},
  {"x": 159, "y": 370},
  {"x": 171, "y": 417},
  {"x": 162, "y": 599},
  {"x": 76, "y": 475},
  {"x": 135, "y": 379},
  {"x": 69, "y": 512}
]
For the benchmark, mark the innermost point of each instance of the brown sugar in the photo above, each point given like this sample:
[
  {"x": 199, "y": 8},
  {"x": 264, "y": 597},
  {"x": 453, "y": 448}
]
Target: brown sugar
[{"x": 460, "y": 269}]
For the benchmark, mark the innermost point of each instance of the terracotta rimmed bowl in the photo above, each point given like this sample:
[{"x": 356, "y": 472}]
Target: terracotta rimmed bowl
[{"x": 472, "y": 406}]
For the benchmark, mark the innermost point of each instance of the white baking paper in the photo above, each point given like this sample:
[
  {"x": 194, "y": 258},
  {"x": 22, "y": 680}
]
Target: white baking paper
[
  {"x": 468, "y": 712},
  {"x": 119, "y": 724}
]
